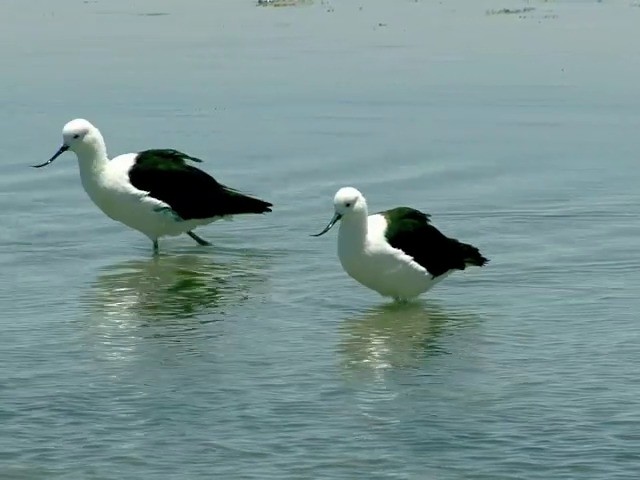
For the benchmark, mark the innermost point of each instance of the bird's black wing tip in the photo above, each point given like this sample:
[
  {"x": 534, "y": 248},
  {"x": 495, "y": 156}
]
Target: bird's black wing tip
[
  {"x": 477, "y": 260},
  {"x": 471, "y": 256},
  {"x": 193, "y": 159},
  {"x": 267, "y": 207}
]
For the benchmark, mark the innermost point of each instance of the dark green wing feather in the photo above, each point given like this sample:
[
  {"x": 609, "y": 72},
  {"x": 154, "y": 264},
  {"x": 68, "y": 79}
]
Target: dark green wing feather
[
  {"x": 190, "y": 192},
  {"x": 410, "y": 230}
]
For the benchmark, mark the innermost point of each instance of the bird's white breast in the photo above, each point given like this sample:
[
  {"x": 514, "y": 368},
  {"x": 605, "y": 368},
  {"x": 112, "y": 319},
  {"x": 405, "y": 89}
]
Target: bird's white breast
[
  {"x": 377, "y": 265},
  {"x": 111, "y": 190}
]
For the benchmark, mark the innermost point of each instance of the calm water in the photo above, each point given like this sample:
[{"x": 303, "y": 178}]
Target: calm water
[{"x": 259, "y": 358}]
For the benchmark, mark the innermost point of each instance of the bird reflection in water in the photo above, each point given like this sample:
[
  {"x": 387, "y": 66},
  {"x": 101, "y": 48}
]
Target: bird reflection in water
[
  {"x": 398, "y": 336},
  {"x": 175, "y": 287},
  {"x": 154, "y": 310}
]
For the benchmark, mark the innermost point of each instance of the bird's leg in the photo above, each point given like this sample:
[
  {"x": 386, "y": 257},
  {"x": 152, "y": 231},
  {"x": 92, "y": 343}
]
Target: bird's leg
[
  {"x": 155, "y": 247},
  {"x": 199, "y": 240}
]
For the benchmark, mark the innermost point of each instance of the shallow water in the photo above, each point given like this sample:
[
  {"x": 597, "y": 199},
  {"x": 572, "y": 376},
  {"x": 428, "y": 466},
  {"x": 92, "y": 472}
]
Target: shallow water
[{"x": 259, "y": 357}]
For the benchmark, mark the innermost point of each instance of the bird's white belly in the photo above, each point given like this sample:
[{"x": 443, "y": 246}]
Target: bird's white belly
[
  {"x": 389, "y": 273},
  {"x": 140, "y": 212}
]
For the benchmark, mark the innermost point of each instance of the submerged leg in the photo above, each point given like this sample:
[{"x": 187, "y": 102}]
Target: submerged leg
[
  {"x": 199, "y": 240},
  {"x": 400, "y": 300}
]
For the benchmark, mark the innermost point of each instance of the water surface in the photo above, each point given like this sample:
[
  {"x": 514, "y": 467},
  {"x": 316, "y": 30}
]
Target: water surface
[{"x": 259, "y": 358}]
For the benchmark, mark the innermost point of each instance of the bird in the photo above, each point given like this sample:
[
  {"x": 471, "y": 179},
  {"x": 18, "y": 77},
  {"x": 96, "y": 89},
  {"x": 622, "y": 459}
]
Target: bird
[
  {"x": 398, "y": 252},
  {"x": 157, "y": 192}
]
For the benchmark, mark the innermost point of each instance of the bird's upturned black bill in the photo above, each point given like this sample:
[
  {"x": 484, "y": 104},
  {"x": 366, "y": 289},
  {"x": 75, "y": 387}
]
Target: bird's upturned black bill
[
  {"x": 333, "y": 221},
  {"x": 60, "y": 151}
]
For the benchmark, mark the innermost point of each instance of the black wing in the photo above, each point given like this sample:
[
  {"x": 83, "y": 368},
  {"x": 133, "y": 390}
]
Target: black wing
[
  {"x": 409, "y": 230},
  {"x": 190, "y": 192}
]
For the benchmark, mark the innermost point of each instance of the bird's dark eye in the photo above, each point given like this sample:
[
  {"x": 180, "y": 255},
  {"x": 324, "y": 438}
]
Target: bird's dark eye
[
  {"x": 77, "y": 135},
  {"x": 347, "y": 204}
]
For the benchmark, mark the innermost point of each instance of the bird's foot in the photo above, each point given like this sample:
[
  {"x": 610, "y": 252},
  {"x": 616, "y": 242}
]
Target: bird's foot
[{"x": 199, "y": 240}]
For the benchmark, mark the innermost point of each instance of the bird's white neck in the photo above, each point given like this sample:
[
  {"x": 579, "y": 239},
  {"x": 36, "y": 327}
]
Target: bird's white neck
[
  {"x": 92, "y": 158},
  {"x": 353, "y": 231}
]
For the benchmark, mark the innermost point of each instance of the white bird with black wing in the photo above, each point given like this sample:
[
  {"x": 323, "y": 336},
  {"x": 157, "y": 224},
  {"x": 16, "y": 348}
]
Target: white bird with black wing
[
  {"x": 398, "y": 252},
  {"x": 156, "y": 192}
]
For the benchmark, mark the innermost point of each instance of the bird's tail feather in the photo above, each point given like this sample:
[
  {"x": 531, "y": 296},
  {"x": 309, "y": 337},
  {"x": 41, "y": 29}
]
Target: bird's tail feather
[
  {"x": 255, "y": 205},
  {"x": 472, "y": 256},
  {"x": 245, "y": 204}
]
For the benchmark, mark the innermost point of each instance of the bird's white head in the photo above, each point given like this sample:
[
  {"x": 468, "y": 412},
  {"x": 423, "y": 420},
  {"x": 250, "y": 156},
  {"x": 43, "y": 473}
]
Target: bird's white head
[
  {"x": 348, "y": 203},
  {"x": 82, "y": 138}
]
